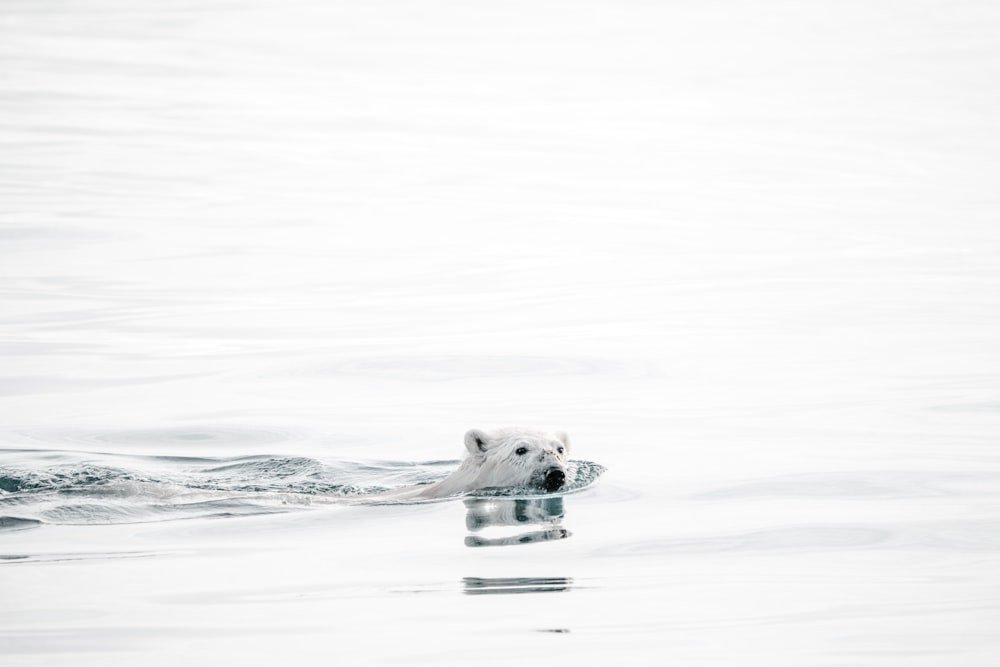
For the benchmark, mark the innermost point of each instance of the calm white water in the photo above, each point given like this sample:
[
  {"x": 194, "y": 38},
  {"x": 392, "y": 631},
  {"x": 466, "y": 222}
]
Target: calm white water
[{"x": 746, "y": 254}]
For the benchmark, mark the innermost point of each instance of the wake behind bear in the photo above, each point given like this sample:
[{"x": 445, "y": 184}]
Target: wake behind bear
[{"x": 507, "y": 457}]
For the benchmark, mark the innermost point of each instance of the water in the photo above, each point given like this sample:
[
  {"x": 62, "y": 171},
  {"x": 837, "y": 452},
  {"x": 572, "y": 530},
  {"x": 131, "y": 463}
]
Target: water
[
  {"x": 260, "y": 259},
  {"x": 63, "y": 488}
]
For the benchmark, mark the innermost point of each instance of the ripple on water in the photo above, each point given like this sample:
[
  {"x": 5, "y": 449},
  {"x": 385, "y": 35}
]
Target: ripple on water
[
  {"x": 966, "y": 536},
  {"x": 865, "y": 484},
  {"x": 218, "y": 434},
  {"x": 90, "y": 488},
  {"x": 787, "y": 538},
  {"x": 443, "y": 367}
]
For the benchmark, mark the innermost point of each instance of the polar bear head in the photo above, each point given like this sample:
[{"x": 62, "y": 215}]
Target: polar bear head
[{"x": 518, "y": 457}]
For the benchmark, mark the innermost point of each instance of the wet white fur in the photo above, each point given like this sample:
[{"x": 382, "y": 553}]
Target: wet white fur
[{"x": 493, "y": 461}]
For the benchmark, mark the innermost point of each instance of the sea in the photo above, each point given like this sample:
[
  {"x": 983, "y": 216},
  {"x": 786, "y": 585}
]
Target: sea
[{"x": 261, "y": 262}]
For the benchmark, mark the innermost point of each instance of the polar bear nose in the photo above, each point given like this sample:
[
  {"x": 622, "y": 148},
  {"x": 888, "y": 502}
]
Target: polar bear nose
[{"x": 554, "y": 479}]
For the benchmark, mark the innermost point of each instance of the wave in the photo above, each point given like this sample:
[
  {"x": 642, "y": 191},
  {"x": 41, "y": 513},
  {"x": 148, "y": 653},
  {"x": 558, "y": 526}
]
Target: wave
[{"x": 39, "y": 487}]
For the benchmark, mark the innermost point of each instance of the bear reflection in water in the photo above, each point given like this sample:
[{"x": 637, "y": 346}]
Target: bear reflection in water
[{"x": 482, "y": 513}]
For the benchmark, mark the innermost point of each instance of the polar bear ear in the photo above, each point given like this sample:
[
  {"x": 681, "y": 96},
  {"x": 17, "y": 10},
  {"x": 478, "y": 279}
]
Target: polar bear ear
[
  {"x": 564, "y": 438},
  {"x": 476, "y": 441}
]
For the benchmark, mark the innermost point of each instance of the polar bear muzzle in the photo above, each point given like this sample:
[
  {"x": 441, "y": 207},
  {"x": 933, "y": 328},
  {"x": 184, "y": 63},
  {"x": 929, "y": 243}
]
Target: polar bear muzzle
[{"x": 554, "y": 479}]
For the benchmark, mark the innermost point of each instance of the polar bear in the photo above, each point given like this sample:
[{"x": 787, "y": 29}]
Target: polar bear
[{"x": 506, "y": 457}]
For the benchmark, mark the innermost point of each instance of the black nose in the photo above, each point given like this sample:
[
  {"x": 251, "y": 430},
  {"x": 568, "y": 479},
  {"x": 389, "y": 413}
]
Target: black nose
[{"x": 554, "y": 479}]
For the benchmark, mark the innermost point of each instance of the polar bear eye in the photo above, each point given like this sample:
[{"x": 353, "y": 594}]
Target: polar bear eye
[
  {"x": 561, "y": 450},
  {"x": 521, "y": 451}
]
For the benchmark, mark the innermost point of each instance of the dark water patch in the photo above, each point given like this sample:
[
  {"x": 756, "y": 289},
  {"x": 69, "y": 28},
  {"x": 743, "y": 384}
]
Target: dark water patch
[
  {"x": 11, "y": 523},
  {"x": 302, "y": 475},
  {"x": 69, "y": 556},
  {"x": 533, "y": 537},
  {"x": 68, "y": 478},
  {"x": 516, "y": 585},
  {"x": 267, "y": 473}
]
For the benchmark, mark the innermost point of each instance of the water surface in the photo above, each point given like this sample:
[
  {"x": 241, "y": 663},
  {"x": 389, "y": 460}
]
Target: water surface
[{"x": 260, "y": 257}]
